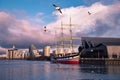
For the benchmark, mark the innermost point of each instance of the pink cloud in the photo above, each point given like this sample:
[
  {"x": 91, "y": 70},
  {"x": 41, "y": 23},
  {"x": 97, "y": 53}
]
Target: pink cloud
[{"x": 19, "y": 31}]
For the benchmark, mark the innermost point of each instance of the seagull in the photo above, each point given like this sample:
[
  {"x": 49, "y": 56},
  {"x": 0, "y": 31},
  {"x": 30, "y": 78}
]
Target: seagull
[
  {"x": 89, "y": 13},
  {"x": 45, "y": 28},
  {"x": 57, "y": 8}
]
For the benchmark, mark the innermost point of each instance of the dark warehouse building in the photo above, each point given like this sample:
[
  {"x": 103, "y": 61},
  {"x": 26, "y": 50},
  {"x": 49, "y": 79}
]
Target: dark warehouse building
[{"x": 99, "y": 47}]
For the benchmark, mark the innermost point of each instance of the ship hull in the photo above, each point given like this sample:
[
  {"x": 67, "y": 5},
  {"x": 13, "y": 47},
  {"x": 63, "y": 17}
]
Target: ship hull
[{"x": 69, "y": 60}]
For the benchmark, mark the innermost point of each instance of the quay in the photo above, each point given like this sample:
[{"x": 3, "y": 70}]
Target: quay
[{"x": 100, "y": 61}]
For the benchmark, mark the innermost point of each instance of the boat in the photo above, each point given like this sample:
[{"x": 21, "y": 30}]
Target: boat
[
  {"x": 63, "y": 57},
  {"x": 69, "y": 59}
]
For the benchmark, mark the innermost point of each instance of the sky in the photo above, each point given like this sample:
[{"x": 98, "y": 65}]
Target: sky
[{"x": 22, "y": 21}]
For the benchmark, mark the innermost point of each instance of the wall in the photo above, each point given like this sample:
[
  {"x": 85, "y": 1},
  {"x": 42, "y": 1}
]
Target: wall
[{"x": 113, "y": 51}]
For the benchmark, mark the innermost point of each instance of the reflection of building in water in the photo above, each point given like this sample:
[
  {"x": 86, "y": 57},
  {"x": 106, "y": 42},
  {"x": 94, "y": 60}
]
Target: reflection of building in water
[
  {"x": 115, "y": 69},
  {"x": 47, "y": 69},
  {"x": 102, "y": 69},
  {"x": 94, "y": 47},
  {"x": 33, "y": 51},
  {"x": 94, "y": 69},
  {"x": 14, "y": 53}
]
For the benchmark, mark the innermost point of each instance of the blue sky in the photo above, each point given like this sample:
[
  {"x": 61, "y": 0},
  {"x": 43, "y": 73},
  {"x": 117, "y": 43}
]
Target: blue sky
[
  {"x": 44, "y": 6},
  {"x": 22, "y": 21},
  {"x": 32, "y": 7}
]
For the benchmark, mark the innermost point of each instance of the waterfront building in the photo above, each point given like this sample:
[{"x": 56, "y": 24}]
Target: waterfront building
[
  {"x": 46, "y": 51},
  {"x": 98, "y": 40},
  {"x": 23, "y": 53},
  {"x": 33, "y": 51},
  {"x": 14, "y": 53},
  {"x": 96, "y": 47}
]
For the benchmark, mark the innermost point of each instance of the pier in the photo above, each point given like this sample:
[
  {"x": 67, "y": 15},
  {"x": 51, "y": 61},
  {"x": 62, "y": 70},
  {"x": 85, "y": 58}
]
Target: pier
[{"x": 100, "y": 61}]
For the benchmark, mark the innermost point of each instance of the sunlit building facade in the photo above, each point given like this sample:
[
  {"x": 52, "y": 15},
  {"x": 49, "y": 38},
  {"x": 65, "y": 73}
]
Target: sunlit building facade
[
  {"x": 14, "y": 53},
  {"x": 46, "y": 51}
]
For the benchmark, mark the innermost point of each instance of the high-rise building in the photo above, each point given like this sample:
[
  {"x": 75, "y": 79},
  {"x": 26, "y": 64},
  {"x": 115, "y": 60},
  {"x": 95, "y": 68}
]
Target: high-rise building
[
  {"x": 33, "y": 51},
  {"x": 46, "y": 51}
]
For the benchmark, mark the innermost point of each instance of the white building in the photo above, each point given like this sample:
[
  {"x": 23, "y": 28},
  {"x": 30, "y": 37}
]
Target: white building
[
  {"x": 14, "y": 53},
  {"x": 46, "y": 51}
]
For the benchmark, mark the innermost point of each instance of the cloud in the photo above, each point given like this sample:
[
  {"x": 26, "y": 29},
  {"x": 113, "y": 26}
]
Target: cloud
[
  {"x": 105, "y": 2},
  {"x": 2, "y": 50},
  {"x": 20, "y": 32},
  {"x": 104, "y": 20},
  {"x": 37, "y": 19}
]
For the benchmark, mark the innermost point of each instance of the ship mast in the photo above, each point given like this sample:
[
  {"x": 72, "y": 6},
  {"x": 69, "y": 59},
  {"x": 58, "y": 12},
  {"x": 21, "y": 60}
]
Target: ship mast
[
  {"x": 62, "y": 36},
  {"x": 71, "y": 38},
  {"x": 61, "y": 39},
  {"x": 56, "y": 51},
  {"x": 71, "y": 42}
]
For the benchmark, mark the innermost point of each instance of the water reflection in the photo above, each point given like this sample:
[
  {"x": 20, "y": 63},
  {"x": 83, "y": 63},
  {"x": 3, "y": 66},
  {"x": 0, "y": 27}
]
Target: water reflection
[
  {"x": 100, "y": 69},
  {"x": 94, "y": 69},
  {"x": 46, "y": 68},
  {"x": 41, "y": 70},
  {"x": 65, "y": 72}
]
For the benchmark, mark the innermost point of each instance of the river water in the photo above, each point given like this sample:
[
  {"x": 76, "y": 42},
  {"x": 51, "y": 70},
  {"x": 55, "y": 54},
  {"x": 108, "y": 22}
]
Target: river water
[{"x": 44, "y": 70}]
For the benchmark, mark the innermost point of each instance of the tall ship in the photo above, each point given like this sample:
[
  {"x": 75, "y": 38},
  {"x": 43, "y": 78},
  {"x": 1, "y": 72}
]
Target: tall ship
[{"x": 65, "y": 55}]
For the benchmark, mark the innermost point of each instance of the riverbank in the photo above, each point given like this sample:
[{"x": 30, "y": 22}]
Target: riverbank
[{"x": 100, "y": 61}]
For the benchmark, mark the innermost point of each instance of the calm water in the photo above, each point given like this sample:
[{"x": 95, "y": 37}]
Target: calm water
[{"x": 42, "y": 70}]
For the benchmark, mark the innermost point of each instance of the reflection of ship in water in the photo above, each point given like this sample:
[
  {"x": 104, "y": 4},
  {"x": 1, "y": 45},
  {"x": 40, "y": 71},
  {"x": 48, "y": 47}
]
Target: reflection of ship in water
[{"x": 63, "y": 56}]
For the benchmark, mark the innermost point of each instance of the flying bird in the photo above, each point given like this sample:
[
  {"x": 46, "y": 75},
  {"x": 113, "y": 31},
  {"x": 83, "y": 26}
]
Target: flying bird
[
  {"x": 45, "y": 28},
  {"x": 89, "y": 13},
  {"x": 57, "y": 8}
]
